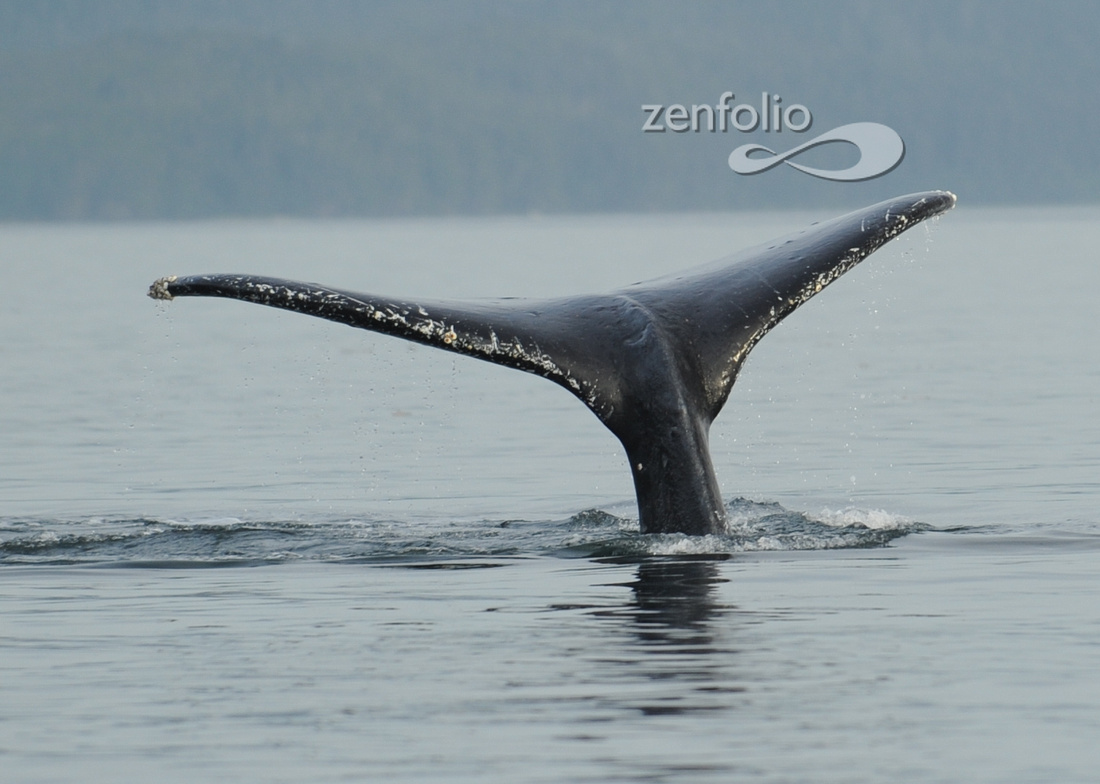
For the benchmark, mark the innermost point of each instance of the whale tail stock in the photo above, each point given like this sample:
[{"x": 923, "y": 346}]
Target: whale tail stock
[{"x": 654, "y": 361}]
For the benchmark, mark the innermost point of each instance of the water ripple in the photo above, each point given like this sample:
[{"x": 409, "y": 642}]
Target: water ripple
[{"x": 753, "y": 526}]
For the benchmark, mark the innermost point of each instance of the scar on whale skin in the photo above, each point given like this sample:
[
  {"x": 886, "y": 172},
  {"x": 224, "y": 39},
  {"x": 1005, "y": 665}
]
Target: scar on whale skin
[{"x": 655, "y": 362}]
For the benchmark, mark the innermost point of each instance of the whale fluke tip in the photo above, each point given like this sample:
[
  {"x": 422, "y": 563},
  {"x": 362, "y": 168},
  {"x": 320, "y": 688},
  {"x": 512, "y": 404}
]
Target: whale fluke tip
[{"x": 159, "y": 289}]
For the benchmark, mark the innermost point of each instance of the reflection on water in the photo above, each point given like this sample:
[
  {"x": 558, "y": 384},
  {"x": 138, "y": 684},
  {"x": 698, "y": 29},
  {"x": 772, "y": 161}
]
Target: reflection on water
[
  {"x": 681, "y": 637},
  {"x": 674, "y": 601}
]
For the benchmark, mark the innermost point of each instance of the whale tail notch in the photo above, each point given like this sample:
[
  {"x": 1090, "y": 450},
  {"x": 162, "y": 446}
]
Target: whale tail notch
[{"x": 654, "y": 361}]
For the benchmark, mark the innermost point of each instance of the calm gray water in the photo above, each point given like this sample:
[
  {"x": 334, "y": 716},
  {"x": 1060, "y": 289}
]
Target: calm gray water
[{"x": 238, "y": 544}]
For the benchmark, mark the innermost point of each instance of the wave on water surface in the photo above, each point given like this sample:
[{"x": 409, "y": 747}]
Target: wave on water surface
[{"x": 753, "y": 526}]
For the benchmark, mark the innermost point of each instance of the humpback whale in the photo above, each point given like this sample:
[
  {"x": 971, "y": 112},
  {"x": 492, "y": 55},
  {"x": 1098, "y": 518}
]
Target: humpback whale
[{"x": 655, "y": 361}]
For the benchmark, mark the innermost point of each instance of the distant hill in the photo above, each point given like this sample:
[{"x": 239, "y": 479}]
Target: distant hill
[{"x": 123, "y": 109}]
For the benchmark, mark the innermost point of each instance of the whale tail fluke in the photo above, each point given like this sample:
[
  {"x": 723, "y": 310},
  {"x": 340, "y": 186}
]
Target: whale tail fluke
[{"x": 655, "y": 361}]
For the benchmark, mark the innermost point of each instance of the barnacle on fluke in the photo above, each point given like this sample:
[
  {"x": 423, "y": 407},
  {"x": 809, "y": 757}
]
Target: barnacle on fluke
[{"x": 159, "y": 289}]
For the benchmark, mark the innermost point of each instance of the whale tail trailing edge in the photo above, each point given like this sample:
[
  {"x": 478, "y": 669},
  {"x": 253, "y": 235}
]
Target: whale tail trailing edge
[{"x": 655, "y": 361}]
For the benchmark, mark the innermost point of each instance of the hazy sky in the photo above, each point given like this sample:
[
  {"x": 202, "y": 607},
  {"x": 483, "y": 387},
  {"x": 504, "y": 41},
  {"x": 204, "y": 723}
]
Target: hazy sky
[{"x": 133, "y": 109}]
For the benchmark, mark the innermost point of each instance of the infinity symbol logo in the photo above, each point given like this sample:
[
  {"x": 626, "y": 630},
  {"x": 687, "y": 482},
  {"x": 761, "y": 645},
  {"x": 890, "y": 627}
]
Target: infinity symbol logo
[{"x": 880, "y": 150}]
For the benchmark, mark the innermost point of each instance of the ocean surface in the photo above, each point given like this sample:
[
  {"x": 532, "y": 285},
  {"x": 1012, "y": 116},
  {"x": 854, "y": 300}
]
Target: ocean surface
[{"x": 239, "y": 544}]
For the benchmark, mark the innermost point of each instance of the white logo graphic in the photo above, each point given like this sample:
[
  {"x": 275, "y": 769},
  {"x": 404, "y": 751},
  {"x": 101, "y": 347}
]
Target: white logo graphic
[{"x": 880, "y": 150}]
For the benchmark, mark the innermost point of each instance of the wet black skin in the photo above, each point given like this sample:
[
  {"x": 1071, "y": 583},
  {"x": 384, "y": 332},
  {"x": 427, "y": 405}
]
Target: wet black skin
[{"x": 654, "y": 361}]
